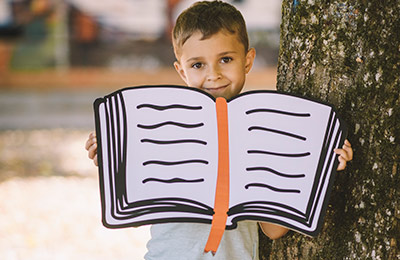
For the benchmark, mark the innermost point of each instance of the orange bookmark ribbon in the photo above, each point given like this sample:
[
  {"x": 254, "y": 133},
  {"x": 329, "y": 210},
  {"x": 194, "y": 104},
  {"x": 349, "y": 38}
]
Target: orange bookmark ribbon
[{"x": 221, "y": 204}]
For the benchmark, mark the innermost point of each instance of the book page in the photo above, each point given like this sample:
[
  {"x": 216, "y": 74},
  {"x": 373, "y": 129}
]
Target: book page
[
  {"x": 169, "y": 153},
  {"x": 276, "y": 142},
  {"x": 158, "y": 157}
]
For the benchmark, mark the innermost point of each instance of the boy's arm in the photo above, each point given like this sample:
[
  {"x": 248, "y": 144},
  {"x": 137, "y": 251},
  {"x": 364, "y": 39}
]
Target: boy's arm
[
  {"x": 91, "y": 147},
  {"x": 273, "y": 231}
]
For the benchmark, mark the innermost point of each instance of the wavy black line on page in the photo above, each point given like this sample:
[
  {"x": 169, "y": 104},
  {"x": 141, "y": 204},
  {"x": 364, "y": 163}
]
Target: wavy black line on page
[
  {"x": 262, "y": 185},
  {"x": 171, "y": 181},
  {"x": 170, "y": 123},
  {"x": 167, "y": 163},
  {"x": 286, "y": 175},
  {"x": 252, "y": 128},
  {"x": 266, "y": 110},
  {"x": 279, "y": 154},
  {"x": 162, "y": 108},
  {"x": 182, "y": 141}
]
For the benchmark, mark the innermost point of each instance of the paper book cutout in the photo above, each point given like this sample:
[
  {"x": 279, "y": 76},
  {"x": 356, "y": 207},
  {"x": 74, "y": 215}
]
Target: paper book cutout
[{"x": 175, "y": 154}]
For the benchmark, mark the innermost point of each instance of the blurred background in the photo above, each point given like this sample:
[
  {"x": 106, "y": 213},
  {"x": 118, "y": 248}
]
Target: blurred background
[{"x": 56, "y": 58}]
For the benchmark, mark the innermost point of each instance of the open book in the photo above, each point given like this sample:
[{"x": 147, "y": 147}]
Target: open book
[{"x": 172, "y": 153}]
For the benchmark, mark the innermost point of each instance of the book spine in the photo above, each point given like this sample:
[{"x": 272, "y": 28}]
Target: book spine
[{"x": 221, "y": 204}]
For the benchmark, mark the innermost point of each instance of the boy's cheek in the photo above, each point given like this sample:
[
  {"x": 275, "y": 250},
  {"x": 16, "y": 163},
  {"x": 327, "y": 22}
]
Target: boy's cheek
[{"x": 193, "y": 80}]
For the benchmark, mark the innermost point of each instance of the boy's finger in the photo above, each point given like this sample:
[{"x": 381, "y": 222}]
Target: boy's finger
[
  {"x": 349, "y": 152},
  {"x": 92, "y": 135},
  {"x": 92, "y": 151},
  {"x": 342, "y": 164},
  {"x": 348, "y": 149},
  {"x": 91, "y": 139},
  {"x": 344, "y": 154},
  {"x": 95, "y": 161},
  {"x": 88, "y": 144}
]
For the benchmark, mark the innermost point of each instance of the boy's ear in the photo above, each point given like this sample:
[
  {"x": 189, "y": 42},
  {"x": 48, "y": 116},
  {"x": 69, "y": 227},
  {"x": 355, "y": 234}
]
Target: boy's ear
[
  {"x": 180, "y": 71},
  {"x": 250, "y": 56}
]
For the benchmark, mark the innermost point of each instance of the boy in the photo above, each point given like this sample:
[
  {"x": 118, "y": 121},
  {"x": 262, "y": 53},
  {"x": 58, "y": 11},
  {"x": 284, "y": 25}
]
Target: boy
[{"x": 212, "y": 50}]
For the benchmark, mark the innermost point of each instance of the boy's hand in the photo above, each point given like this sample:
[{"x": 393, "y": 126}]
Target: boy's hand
[
  {"x": 91, "y": 147},
  {"x": 345, "y": 155}
]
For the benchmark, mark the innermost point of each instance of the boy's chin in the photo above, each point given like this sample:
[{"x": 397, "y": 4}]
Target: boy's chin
[
  {"x": 225, "y": 92},
  {"x": 222, "y": 92}
]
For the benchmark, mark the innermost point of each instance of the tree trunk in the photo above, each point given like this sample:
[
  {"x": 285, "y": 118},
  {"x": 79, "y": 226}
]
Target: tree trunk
[{"x": 347, "y": 53}]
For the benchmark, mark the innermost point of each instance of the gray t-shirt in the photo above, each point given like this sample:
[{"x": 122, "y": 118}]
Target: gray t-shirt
[{"x": 182, "y": 241}]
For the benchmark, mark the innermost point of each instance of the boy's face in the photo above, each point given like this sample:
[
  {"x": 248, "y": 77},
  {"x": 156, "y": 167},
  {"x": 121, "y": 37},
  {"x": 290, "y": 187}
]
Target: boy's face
[{"x": 217, "y": 65}]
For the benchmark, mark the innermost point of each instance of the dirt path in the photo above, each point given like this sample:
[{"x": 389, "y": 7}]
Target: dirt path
[{"x": 50, "y": 204}]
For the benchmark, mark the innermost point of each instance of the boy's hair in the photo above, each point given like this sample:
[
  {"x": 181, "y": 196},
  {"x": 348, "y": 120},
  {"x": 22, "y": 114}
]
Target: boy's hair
[{"x": 209, "y": 18}]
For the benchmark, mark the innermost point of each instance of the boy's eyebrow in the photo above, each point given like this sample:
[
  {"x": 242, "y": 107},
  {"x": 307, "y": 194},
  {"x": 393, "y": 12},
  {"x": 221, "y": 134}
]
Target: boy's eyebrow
[
  {"x": 219, "y": 55},
  {"x": 193, "y": 59},
  {"x": 226, "y": 53}
]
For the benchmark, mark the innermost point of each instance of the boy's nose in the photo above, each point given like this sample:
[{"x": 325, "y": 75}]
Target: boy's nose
[{"x": 214, "y": 73}]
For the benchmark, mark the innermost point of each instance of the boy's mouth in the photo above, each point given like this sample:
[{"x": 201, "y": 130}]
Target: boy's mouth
[{"x": 215, "y": 89}]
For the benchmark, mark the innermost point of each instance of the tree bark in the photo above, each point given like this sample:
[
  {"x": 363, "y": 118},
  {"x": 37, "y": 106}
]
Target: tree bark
[{"x": 347, "y": 53}]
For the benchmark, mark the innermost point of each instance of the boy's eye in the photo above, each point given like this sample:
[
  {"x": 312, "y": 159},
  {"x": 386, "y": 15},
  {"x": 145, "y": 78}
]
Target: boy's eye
[
  {"x": 226, "y": 59},
  {"x": 197, "y": 65}
]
